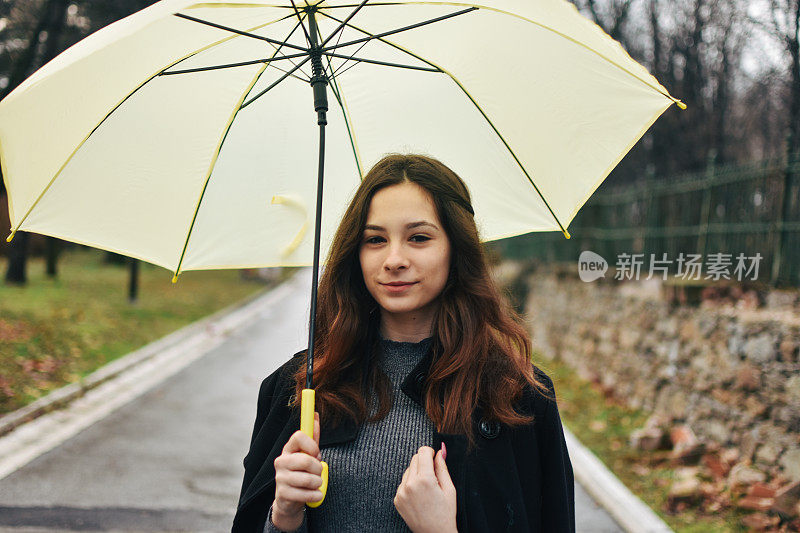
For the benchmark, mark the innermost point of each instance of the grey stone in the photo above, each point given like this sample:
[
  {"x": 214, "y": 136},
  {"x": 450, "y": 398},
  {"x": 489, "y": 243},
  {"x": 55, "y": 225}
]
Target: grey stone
[
  {"x": 768, "y": 453},
  {"x": 742, "y": 474},
  {"x": 761, "y": 349},
  {"x": 713, "y": 429},
  {"x": 790, "y": 461},
  {"x": 792, "y": 389}
]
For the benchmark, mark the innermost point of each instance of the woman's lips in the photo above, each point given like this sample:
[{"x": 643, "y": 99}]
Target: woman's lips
[{"x": 397, "y": 288}]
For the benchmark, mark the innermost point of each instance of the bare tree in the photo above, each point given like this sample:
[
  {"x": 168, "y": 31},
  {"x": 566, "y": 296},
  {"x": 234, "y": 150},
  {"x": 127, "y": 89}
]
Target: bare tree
[
  {"x": 611, "y": 15},
  {"x": 782, "y": 22}
]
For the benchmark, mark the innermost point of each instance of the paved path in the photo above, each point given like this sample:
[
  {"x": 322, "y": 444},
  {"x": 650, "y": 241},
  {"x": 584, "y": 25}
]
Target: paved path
[{"x": 170, "y": 460}]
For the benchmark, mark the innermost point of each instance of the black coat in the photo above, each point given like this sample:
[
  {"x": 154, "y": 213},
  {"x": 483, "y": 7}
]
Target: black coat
[{"x": 515, "y": 479}]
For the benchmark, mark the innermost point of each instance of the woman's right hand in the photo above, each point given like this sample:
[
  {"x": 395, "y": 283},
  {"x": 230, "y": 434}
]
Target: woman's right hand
[{"x": 298, "y": 476}]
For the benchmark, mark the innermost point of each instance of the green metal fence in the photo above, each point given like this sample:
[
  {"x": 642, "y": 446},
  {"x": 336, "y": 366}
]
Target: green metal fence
[{"x": 746, "y": 209}]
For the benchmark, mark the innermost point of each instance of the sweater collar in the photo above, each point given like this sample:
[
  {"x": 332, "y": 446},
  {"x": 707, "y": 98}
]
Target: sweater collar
[{"x": 412, "y": 386}]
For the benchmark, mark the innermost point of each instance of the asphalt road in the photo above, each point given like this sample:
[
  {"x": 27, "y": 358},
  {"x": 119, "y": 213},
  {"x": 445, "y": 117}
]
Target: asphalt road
[{"x": 171, "y": 459}]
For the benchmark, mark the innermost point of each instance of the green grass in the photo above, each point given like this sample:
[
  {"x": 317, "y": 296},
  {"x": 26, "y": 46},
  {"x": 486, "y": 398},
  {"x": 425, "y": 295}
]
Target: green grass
[
  {"x": 604, "y": 425},
  {"x": 55, "y": 331}
]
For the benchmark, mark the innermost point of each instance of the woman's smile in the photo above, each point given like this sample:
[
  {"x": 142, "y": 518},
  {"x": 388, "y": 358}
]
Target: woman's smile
[{"x": 397, "y": 289}]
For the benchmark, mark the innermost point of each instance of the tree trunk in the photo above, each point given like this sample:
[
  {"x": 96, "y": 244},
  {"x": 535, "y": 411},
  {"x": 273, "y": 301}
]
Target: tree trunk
[
  {"x": 112, "y": 258},
  {"x": 722, "y": 99},
  {"x": 133, "y": 281},
  {"x": 17, "y": 253},
  {"x": 52, "y": 246}
]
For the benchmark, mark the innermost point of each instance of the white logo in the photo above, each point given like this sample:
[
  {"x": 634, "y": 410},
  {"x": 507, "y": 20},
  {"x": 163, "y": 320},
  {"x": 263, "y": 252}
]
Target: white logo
[{"x": 591, "y": 266}]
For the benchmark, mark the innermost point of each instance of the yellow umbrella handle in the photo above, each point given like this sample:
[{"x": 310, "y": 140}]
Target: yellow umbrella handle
[{"x": 307, "y": 427}]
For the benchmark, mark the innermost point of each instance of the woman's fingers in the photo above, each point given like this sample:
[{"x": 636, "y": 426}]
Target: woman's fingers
[
  {"x": 298, "y": 461},
  {"x": 442, "y": 473},
  {"x": 299, "y": 479},
  {"x": 300, "y": 442},
  {"x": 425, "y": 462}
]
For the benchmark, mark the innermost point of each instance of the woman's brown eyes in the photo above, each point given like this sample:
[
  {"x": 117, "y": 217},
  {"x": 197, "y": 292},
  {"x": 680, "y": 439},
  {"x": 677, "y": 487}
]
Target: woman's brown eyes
[{"x": 371, "y": 240}]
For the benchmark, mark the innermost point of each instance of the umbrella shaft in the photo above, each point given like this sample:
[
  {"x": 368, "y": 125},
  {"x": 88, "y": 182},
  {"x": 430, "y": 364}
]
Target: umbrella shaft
[
  {"x": 319, "y": 81},
  {"x": 315, "y": 268}
]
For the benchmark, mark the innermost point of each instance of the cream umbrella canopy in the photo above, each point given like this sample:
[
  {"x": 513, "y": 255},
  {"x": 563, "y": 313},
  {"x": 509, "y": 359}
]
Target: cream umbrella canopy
[{"x": 181, "y": 135}]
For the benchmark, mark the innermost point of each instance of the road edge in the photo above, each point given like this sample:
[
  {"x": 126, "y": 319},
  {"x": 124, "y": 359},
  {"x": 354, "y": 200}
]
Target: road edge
[
  {"x": 627, "y": 509},
  {"x": 62, "y": 397}
]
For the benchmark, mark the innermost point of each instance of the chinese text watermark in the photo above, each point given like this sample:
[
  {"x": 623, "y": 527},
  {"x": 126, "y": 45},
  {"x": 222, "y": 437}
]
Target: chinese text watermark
[{"x": 592, "y": 266}]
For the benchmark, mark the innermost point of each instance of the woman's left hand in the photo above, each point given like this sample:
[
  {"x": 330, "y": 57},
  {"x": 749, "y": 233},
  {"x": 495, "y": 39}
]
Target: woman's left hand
[{"x": 426, "y": 498}]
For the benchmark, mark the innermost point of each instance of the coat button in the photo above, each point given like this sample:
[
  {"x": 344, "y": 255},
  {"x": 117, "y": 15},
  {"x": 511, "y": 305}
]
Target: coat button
[
  {"x": 489, "y": 428},
  {"x": 420, "y": 380}
]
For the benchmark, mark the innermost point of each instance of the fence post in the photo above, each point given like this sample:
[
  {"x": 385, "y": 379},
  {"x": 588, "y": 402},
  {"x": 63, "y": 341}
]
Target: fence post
[
  {"x": 705, "y": 213},
  {"x": 650, "y": 216},
  {"x": 777, "y": 257}
]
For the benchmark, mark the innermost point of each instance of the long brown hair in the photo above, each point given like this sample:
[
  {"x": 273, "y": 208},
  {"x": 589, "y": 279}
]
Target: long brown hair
[{"x": 481, "y": 351}]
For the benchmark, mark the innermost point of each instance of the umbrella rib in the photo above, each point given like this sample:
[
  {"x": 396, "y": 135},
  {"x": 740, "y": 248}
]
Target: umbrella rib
[
  {"x": 398, "y": 30},
  {"x": 333, "y": 73},
  {"x": 338, "y": 40},
  {"x": 345, "y": 112},
  {"x": 478, "y": 107},
  {"x": 343, "y": 23},
  {"x": 299, "y": 22},
  {"x": 230, "y": 65},
  {"x": 305, "y": 31},
  {"x": 238, "y": 107},
  {"x": 254, "y": 61},
  {"x": 111, "y": 112},
  {"x": 376, "y": 62},
  {"x": 240, "y": 32},
  {"x": 292, "y": 74},
  {"x": 265, "y": 91}
]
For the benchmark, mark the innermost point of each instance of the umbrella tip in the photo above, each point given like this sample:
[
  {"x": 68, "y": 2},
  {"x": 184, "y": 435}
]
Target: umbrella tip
[
  {"x": 175, "y": 278},
  {"x": 680, "y": 104},
  {"x": 567, "y": 235},
  {"x": 8, "y": 239}
]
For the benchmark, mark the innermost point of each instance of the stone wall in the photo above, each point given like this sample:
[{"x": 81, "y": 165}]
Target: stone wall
[{"x": 727, "y": 367}]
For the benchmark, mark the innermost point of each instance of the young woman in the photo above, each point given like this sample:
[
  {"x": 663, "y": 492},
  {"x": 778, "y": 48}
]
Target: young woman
[{"x": 430, "y": 413}]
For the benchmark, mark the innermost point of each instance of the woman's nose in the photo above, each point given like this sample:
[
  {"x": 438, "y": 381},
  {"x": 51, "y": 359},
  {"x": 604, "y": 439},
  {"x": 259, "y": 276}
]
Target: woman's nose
[{"x": 395, "y": 258}]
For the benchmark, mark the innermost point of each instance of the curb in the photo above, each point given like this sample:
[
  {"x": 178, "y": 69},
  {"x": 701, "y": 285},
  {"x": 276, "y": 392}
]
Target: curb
[
  {"x": 60, "y": 398},
  {"x": 631, "y": 513}
]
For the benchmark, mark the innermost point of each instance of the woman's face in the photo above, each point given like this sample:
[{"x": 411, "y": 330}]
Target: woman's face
[{"x": 403, "y": 241}]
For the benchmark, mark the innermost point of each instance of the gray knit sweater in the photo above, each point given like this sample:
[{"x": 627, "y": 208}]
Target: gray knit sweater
[{"x": 365, "y": 473}]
